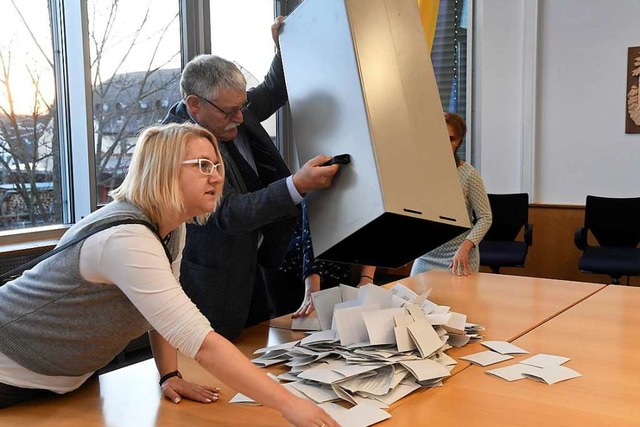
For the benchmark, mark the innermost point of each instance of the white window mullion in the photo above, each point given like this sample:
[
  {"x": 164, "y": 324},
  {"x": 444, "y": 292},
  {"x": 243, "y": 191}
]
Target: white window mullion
[
  {"x": 74, "y": 107},
  {"x": 196, "y": 28}
]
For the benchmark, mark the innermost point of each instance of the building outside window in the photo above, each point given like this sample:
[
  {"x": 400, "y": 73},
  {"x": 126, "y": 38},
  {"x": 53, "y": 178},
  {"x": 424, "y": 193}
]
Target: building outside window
[
  {"x": 135, "y": 71},
  {"x": 29, "y": 154}
]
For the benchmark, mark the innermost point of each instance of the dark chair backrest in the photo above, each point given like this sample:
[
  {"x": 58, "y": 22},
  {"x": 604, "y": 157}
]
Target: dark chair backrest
[
  {"x": 613, "y": 221},
  {"x": 510, "y": 213}
]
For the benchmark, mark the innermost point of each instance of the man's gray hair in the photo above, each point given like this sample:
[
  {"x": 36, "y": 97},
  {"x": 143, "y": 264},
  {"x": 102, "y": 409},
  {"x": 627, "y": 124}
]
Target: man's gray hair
[{"x": 205, "y": 75}]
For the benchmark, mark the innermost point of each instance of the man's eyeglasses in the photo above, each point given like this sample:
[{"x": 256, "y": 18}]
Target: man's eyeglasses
[
  {"x": 227, "y": 114},
  {"x": 206, "y": 166}
]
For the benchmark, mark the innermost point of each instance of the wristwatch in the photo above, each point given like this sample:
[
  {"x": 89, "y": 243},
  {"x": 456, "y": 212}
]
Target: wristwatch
[{"x": 169, "y": 375}]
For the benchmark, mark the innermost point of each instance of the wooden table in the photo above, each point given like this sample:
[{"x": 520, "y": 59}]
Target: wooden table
[
  {"x": 508, "y": 306},
  {"x": 601, "y": 337},
  {"x": 130, "y": 397}
]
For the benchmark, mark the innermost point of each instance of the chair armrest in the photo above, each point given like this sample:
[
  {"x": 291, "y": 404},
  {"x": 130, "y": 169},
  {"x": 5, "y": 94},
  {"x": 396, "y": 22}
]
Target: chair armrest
[
  {"x": 528, "y": 234},
  {"x": 580, "y": 238}
]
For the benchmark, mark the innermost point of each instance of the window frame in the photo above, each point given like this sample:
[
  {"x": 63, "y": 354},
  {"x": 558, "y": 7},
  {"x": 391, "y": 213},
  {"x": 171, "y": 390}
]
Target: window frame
[{"x": 72, "y": 63}]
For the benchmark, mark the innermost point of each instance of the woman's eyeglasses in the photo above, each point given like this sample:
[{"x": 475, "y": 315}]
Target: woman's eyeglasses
[{"x": 206, "y": 166}]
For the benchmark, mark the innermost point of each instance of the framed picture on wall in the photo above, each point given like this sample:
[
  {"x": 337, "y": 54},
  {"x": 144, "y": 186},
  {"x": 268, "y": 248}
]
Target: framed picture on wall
[{"x": 632, "y": 112}]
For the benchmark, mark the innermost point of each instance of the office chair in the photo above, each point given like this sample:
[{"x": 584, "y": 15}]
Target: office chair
[
  {"x": 615, "y": 225},
  {"x": 499, "y": 248}
]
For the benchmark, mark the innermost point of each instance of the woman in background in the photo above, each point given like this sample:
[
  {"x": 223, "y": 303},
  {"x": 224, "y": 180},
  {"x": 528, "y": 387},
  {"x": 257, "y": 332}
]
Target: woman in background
[
  {"x": 75, "y": 311},
  {"x": 460, "y": 254}
]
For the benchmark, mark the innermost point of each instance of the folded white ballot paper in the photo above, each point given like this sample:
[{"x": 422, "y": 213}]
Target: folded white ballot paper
[
  {"x": 426, "y": 369},
  {"x": 504, "y": 347},
  {"x": 321, "y": 375},
  {"x": 377, "y": 382},
  {"x": 361, "y": 415},
  {"x": 403, "y": 292},
  {"x": 544, "y": 360},
  {"x": 416, "y": 312},
  {"x": 277, "y": 347},
  {"x": 438, "y": 318},
  {"x": 317, "y": 394},
  {"x": 263, "y": 362},
  {"x": 350, "y": 325},
  {"x": 456, "y": 340},
  {"x": 308, "y": 323},
  {"x": 485, "y": 358},
  {"x": 241, "y": 398},
  {"x": 550, "y": 374},
  {"x": 320, "y": 337},
  {"x": 425, "y": 337},
  {"x": 456, "y": 323},
  {"x": 509, "y": 373},
  {"x": 379, "y": 325},
  {"x": 372, "y": 294},
  {"x": 324, "y": 302}
]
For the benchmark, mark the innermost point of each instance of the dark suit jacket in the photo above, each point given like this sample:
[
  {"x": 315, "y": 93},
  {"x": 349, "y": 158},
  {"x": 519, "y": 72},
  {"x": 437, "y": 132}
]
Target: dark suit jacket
[{"x": 221, "y": 261}]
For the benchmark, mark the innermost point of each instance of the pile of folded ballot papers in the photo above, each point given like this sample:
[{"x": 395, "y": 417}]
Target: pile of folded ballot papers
[{"x": 373, "y": 346}]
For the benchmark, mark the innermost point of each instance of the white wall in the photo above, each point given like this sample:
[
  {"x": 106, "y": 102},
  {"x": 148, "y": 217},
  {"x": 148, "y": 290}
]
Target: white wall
[{"x": 549, "y": 98}]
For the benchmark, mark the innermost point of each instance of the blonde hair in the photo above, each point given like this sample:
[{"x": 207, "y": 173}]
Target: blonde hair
[{"x": 152, "y": 180}]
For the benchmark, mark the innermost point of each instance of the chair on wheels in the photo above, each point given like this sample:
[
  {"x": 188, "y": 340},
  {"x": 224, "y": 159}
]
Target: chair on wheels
[
  {"x": 615, "y": 225},
  {"x": 499, "y": 248}
]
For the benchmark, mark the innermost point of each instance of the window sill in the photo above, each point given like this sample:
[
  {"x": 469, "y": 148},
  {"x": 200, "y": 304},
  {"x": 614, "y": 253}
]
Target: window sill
[{"x": 27, "y": 240}]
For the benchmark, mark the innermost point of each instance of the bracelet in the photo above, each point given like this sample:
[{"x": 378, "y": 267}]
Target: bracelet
[
  {"x": 364, "y": 275},
  {"x": 169, "y": 375}
]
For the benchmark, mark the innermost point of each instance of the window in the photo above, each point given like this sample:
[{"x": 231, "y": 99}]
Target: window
[
  {"x": 133, "y": 50},
  {"x": 250, "y": 44},
  {"x": 129, "y": 53},
  {"x": 449, "y": 57},
  {"x": 29, "y": 150},
  {"x": 135, "y": 62}
]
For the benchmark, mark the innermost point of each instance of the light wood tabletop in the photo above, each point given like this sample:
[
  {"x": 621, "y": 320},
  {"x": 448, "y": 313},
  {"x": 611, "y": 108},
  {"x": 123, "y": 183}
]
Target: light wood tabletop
[
  {"x": 508, "y": 306},
  {"x": 130, "y": 397},
  {"x": 600, "y": 335}
]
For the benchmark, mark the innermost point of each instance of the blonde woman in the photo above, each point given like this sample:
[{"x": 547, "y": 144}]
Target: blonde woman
[{"x": 73, "y": 312}]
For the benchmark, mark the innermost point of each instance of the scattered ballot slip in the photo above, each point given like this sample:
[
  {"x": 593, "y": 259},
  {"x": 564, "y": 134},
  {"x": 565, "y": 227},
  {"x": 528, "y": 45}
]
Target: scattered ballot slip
[
  {"x": 510, "y": 373},
  {"x": 504, "y": 347},
  {"x": 486, "y": 358},
  {"x": 545, "y": 360},
  {"x": 361, "y": 415},
  {"x": 550, "y": 374}
]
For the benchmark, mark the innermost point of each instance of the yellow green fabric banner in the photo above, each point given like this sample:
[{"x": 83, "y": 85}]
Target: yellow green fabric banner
[{"x": 429, "y": 18}]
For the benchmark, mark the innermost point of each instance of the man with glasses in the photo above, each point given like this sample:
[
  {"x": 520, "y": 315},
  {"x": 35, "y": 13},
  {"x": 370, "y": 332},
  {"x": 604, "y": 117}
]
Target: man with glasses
[{"x": 252, "y": 227}]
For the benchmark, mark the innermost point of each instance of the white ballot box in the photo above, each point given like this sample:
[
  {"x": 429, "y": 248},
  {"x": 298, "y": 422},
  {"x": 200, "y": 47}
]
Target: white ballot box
[{"x": 360, "y": 82}]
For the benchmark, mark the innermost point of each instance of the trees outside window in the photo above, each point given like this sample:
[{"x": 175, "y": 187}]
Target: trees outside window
[
  {"x": 29, "y": 149},
  {"x": 135, "y": 72},
  {"x": 135, "y": 69}
]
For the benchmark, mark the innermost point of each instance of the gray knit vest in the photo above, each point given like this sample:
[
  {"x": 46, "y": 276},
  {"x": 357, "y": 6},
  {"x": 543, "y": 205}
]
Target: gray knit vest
[{"x": 55, "y": 323}]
